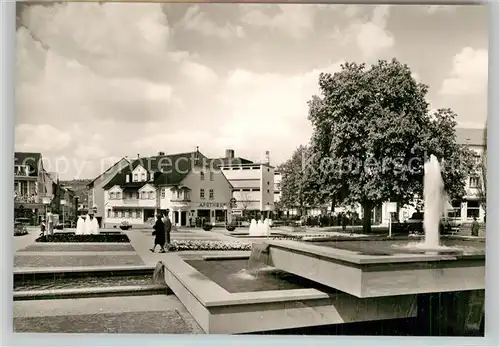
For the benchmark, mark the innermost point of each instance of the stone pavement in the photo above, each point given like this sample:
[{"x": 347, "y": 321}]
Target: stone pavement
[{"x": 158, "y": 314}]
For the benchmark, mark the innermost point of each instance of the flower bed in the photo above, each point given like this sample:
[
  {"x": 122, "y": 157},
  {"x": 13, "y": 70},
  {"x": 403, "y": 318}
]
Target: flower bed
[
  {"x": 208, "y": 245},
  {"x": 70, "y": 237}
]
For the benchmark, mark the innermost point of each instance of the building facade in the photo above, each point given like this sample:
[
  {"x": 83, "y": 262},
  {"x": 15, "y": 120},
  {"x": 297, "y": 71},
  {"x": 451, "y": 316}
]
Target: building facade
[
  {"x": 253, "y": 183},
  {"x": 184, "y": 184},
  {"x": 95, "y": 189},
  {"x": 33, "y": 187}
]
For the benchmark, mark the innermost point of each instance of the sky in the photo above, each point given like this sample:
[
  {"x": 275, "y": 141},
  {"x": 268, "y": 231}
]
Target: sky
[{"x": 96, "y": 82}]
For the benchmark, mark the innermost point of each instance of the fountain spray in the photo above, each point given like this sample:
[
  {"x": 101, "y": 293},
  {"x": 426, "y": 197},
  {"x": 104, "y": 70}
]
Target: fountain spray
[{"x": 433, "y": 201}]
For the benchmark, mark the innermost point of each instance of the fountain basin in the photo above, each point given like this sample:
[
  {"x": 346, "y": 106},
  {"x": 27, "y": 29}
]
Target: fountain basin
[
  {"x": 229, "y": 306},
  {"x": 376, "y": 268}
]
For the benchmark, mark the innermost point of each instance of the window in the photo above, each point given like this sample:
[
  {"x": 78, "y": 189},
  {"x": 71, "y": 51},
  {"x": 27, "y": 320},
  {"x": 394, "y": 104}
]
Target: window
[
  {"x": 211, "y": 176},
  {"x": 268, "y": 191},
  {"x": 137, "y": 195},
  {"x": 126, "y": 213},
  {"x": 150, "y": 196},
  {"x": 109, "y": 213},
  {"x": 111, "y": 196},
  {"x": 116, "y": 214},
  {"x": 139, "y": 213},
  {"x": 474, "y": 182},
  {"x": 472, "y": 209},
  {"x": 143, "y": 195},
  {"x": 136, "y": 177},
  {"x": 163, "y": 193},
  {"x": 202, "y": 193},
  {"x": 211, "y": 194},
  {"x": 255, "y": 190},
  {"x": 143, "y": 176},
  {"x": 202, "y": 176},
  {"x": 118, "y": 196}
]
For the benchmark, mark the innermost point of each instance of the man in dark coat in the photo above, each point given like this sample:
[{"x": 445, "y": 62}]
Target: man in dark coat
[
  {"x": 159, "y": 234},
  {"x": 168, "y": 227},
  {"x": 475, "y": 227}
]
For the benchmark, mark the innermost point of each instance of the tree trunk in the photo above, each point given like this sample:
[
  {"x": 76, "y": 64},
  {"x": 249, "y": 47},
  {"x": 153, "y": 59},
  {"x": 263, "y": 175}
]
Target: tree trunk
[
  {"x": 367, "y": 217},
  {"x": 332, "y": 208}
]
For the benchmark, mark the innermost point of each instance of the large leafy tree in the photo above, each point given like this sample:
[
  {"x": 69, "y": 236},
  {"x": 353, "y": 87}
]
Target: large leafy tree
[{"x": 372, "y": 133}]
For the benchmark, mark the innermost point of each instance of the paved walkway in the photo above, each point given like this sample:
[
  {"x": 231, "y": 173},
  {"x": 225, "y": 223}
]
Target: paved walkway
[{"x": 158, "y": 314}]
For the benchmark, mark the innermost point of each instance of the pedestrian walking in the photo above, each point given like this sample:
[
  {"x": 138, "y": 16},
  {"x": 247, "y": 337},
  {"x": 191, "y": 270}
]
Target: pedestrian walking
[
  {"x": 168, "y": 228},
  {"x": 474, "y": 227},
  {"x": 159, "y": 234}
]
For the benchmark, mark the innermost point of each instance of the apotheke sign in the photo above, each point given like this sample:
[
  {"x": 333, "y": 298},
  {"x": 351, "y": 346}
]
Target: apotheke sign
[{"x": 212, "y": 205}]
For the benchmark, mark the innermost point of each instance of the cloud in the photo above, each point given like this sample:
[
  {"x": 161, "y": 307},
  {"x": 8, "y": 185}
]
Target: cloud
[
  {"x": 294, "y": 20},
  {"x": 42, "y": 137},
  {"x": 371, "y": 37},
  {"x": 198, "y": 21},
  {"x": 469, "y": 73}
]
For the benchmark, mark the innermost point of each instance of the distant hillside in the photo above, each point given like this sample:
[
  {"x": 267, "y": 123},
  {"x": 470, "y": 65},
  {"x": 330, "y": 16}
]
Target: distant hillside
[{"x": 77, "y": 185}]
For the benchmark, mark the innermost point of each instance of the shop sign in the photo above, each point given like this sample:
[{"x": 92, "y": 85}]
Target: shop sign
[{"x": 212, "y": 205}]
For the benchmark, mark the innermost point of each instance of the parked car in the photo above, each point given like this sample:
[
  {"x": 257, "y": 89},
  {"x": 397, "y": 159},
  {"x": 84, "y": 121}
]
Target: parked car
[
  {"x": 20, "y": 226},
  {"x": 415, "y": 224}
]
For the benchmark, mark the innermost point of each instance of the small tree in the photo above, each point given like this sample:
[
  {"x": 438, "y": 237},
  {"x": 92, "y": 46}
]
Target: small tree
[
  {"x": 245, "y": 200},
  {"x": 483, "y": 170},
  {"x": 293, "y": 181}
]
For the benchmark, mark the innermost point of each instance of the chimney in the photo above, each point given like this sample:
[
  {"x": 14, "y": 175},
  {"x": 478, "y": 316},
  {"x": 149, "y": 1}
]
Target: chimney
[
  {"x": 160, "y": 154},
  {"x": 267, "y": 160},
  {"x": 138, "y": 155},
  {"x": 230, "y": 153}
]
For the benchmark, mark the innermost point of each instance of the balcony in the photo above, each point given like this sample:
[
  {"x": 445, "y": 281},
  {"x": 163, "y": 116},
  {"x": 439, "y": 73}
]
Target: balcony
[
  {"x": 180, "y": 202},
  {"x": 132, "y": 203},
  {"x": 28, "y": 201}
]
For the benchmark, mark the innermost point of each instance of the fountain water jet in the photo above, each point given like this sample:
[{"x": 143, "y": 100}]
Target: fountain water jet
[
  {"x": 259, "y": 228},
  {"x": 433, "y": 202}
]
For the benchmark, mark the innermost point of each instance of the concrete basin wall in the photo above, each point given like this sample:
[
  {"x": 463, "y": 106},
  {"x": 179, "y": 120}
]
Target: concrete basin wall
[
  {"x": 218, "y": 311},
  {"x": 367, "y": 276}
]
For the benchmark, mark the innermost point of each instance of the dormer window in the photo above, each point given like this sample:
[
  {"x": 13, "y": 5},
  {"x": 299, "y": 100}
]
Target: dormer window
[
  {"x": 136, "y": 177},
  {"x": 143, "y": 176}
]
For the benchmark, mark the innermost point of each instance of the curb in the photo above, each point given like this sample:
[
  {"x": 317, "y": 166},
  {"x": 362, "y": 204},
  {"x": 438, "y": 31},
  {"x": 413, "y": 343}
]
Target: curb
[{"x": 54, "y": 294}]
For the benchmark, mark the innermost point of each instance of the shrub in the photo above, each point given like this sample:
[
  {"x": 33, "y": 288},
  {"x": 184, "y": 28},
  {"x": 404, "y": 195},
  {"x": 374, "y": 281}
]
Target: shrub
[
  {"x": 230, "y": 227},
  {"x": 207, "y": 227},
  {"x": 125, "y": 225},
  {"x": 70, "y": 237}
]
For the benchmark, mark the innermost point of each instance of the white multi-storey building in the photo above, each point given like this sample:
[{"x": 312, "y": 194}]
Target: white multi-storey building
[
  {"x": 184, "y": 184},
  {"x": 253, "y": 183}
]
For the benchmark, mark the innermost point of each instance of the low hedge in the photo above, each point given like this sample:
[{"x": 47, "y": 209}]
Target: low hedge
[
  {"x": 70, "y": 237},
  {"x": 208, "y": 245},
  {"x": 207, "y": 227}
]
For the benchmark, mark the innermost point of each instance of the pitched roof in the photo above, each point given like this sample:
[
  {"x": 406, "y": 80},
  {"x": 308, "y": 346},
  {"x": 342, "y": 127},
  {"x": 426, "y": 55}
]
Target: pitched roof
[
  {"x": 91, "y": 183},
  {"x": 33, "y": 160},
  {"x": 167, "y": 169},
  {"x": 470, "y": 136}
]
